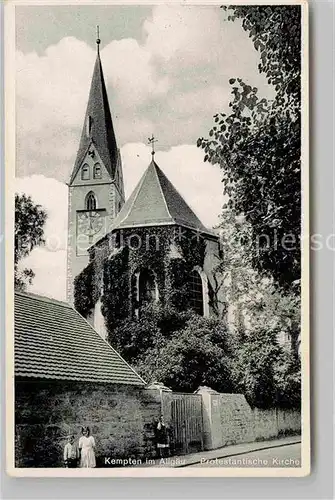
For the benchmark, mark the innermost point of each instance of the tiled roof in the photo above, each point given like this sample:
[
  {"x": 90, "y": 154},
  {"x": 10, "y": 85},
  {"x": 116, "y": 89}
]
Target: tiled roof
[
  {"x": 102, "y": 131},
  {"x": 155, "y": 201},
  {"x": 53, "y": 341}
]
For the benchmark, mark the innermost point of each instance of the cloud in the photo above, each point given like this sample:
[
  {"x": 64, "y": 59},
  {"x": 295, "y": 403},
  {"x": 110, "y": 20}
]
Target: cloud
[
  {"x": 182, "y": 33},
  {"x": 131, "y": 72},
  {"x": 53, "y": 88},
  {"x": 50, "y": 273},
  {"x": 169, "y": 81}
]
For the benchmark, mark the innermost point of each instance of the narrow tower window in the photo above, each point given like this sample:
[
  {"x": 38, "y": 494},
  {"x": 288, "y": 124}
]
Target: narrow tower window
[
  {"x": 97, "y": 171},
  {"x": 85, "y": 172},
  {"x": 91, "y": 202},
  {"x": 89, "y": 122}
]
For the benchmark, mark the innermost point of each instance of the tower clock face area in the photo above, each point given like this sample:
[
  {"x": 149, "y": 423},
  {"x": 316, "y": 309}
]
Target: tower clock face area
[{"x": 90, "y": 228}]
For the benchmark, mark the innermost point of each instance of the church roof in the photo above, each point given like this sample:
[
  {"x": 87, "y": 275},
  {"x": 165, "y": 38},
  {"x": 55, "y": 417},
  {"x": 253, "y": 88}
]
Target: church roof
[
  {"x": 53, "y": 341},
  {"x": 155, "y": 201},
  {"x": 101, "y": 129}
]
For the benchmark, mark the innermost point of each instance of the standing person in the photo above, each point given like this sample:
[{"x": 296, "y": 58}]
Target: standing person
[
  {"x": 86, "y": 447},
  {"x": 162, "y": 438},
  {"x": 71, "y": 453}
]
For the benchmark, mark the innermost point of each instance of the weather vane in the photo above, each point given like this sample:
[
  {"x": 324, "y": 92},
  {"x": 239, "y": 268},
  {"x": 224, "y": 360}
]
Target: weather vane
[
  {"x": 152, "y": 140},
  {"x": 98, "y": 38}
]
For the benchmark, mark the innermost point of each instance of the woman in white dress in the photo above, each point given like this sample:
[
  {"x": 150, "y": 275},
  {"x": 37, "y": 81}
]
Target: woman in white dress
[{"x": 86, "y": 447}]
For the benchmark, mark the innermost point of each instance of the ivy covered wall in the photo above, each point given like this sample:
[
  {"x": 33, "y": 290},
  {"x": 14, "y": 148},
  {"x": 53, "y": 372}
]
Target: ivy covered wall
[{"x": 170, "y": 252}]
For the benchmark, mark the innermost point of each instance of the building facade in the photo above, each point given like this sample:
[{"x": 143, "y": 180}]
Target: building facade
[
  {"x": 122, "y": 256},
  {"x": 157, "y": 251}
]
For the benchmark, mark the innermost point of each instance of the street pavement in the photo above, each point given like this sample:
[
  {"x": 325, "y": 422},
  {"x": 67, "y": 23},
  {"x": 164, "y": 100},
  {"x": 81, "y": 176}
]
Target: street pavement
[
  {"x": 279, "y": 456},
  {"x": 284, "y": 452}
]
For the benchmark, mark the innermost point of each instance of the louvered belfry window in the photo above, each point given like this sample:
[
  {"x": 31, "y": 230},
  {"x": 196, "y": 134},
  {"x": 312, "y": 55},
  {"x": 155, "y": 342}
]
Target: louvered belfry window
[
  {"x": 85, "y": 172},
  {"x": 97, "y": 171}
]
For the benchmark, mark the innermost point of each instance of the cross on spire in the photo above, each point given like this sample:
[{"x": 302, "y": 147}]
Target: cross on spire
[
  {"x": 98, "y": 41},
  {"x": 152, "y": 140}
]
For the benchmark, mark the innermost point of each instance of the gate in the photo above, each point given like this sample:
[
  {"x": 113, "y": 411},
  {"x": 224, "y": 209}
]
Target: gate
[{"x": 183, "y": 412}]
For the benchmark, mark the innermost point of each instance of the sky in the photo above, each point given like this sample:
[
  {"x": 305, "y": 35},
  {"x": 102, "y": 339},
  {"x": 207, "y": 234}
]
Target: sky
[{"x": 167, "y": 71}]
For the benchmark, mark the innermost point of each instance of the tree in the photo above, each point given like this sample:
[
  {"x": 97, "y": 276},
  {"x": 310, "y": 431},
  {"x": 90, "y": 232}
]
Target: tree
[
  {"x": 258, "y": 303},
  {"x": 29, "y": 230},
  {"x": 257, "y": 145},
  {"x": 265, "y": 373},
  {"x": 198, "y": 354},
  {"x": 180, "y": 349},
  {"x": 133, "y": 337}
]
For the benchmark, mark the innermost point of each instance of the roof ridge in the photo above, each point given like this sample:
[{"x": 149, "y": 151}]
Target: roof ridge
[
  {"x": 202, "y": 228},
  {"x": 135, "y": 193},
  {"x": 161, "y": 189},
  {"x": 103, "y": 85},
  {"x": 43, "y": 298}
]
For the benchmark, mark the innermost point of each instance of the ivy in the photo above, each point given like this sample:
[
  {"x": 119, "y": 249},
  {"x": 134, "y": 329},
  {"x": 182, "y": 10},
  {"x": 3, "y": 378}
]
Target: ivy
[
  {"x": 83, "y": 296},
  {"x": 134, "y": 251},
  {"x": 115, "y": 300},
  {"x": 192, "y": 247}
]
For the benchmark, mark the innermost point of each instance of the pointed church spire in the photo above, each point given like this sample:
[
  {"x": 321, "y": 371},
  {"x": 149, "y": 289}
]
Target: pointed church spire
[{"x": 98, "y": 125}]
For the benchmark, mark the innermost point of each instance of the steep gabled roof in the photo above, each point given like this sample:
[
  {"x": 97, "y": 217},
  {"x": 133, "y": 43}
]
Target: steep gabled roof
[
  {"x": 155, "y": 201},
  {"x": 53, "y": 341},
  {"x": 101, "y": 131}
]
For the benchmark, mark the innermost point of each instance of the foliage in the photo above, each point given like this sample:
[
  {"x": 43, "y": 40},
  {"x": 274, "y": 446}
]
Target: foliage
[
  {"x": 257, "y": 145},
  {"x": 266, "y": 374},
  {"x": 192, "y": 253},
  {"x": 83, "y": 301},
  {"x": 276, "y": 35},
  {"x": 180, "y": 349},
  {"x": 29, "y": 230},
  {"x": 133, "y": 337},
  {"x": 258, "y": 302},
  {"x": 115, "y": 304}
]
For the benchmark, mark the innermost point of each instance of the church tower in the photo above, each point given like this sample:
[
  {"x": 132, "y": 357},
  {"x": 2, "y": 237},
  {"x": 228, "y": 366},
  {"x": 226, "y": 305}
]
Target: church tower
[{"x": 96, "y": 191}]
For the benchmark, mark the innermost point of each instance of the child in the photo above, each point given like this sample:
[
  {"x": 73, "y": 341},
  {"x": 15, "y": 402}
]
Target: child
[
  {"x": 71, "y": 453},
  {"x": 86, "y": 446}
]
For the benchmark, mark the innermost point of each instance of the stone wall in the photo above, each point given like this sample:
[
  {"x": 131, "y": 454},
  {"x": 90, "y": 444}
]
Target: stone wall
[
  {"x": 228, "y": 419},
  {"x": 120, "y": 418}
]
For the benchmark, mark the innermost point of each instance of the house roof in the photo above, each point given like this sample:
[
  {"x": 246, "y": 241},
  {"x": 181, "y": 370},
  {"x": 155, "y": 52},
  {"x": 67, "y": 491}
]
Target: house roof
[
  {"x": 102, "y": 130},
  {"x": 155, "y": 201},
  {"x": 53, "y": 341}
]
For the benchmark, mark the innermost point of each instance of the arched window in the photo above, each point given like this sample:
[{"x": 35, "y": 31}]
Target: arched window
[
  {"x": 144, "y": 289},
  {"x": 91, "y": 202},
  {"x": 85, "y": 172},
  {"x": 97, "y": 171},
  {"x": 196, "y": 292},
  {"x": 147, "y": 288}
]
